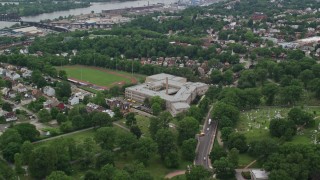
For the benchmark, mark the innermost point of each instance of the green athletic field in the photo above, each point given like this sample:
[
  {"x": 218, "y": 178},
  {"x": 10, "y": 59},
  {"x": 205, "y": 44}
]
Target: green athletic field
[{"x": 97, "y": 76}]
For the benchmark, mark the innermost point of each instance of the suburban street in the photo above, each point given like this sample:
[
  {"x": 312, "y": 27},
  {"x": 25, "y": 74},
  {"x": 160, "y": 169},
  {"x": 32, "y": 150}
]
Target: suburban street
[
  {"x": 205, "y": 143},
  {"x": 34, "y": 121}
]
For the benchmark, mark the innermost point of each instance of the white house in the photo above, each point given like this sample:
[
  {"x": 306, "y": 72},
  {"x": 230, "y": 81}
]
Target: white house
[
  {"x": 12, "y": 75},
  {"x": 2, "y": 72},
  {"x": 26, "y": 74},
  {"x": 73, "y": 100},
  {"x": 259, "y": 174},
  {"x": 49, "y": 91}
]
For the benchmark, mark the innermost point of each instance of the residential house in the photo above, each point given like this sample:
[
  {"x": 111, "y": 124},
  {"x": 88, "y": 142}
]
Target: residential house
[
  {"x": 61, "y": 106},
  {"x": 94, "y": 107},
  {"x": 10, "y": 116},
  {"x": 114, "y": 102},
  {"x": 50, "y": 103},
  {"x": 258, "y": 174},
  {"x": 2, "y": 72},
  {"x": 36, "y": 93},
  {"x": 5, "y": 91},
  {"x": 49, "y": 91},
  {"x": 73, "y": 100},
  {"x": 27, "y": 74},
  {"x": 12, "y": 75},
  {"x": 11, "y": 94},
  {"x": 20, "y": 88}
]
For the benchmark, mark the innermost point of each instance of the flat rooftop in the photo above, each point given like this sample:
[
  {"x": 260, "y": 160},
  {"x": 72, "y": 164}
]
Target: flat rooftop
[{"x": 178, "y": 89}]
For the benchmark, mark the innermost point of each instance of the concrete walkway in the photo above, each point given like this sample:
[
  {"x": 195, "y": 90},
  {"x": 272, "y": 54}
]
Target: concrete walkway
[{"x": 175, "y": 173}]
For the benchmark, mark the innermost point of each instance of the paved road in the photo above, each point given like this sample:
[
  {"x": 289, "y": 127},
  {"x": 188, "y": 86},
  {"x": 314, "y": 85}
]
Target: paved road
[{"x": 205, "y": 143}]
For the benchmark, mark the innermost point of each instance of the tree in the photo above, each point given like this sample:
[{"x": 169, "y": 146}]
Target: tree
[
  {"x": 26, "y": 150},
  {"x": 156, "y": 109},
  {"x": 300, "y": 117},
  {"x": 306, "y": 76},
  {"x": 18, "y": 164},
  {"x": 225, "y": 132},
  {"x": 130, "y": 119},
  {"x": 42, "y": 162},
  {"x": 102, "y": 119},
  {"x": 78, "y": 122},
  {"x": 125, "y": 141},
  {"x": 171, "y": 159},
  {"x": 27, "y": 131},
  {"x": 63, "y": 75},
  {"x": 282, "y": 128},
  {"x": 197, "y": 173},
  {"x": 136, "y": 131},
  {"x": 9, "y": 136},
  {"x": 238, "y": 141},
  {"x": 224, "y": 168},
  {"x": 145, "y": 148},
  {"x": 188, "y": 149},
  {"x": 120, "y": 175},
  {"x": 8, "y": 84},
  {"x": 44, "y": 115},
  {"x": 61, "y": 118},
  {"x": 63, "y": 89},
  {"x": 314, "y": 86},
  {"x": 233, "y": 156},
  {"x": 54, "y": 112},
  {"x": 10, "y": 150},
  {"x": 66, "y": 126},
  {"x": 105, "y": 136},
  {"x": 88, "y": 149},
  {"x": 38, "y": 79},
  {"x": 217, "y": 153},
  {"x": 58, "y": 175},
  {"x": 290, "y": 94},
  {"x": 107, "y": 172},
  {"x": 117, "y": 113},
  {"x": 106, "y": 157},
  {"x": 166, "y": 142},
  {"x": 263, "y": 147},
  {"x": 6, "y": 107},
  {"x": 269, "y": 91},
  {"x": 225, "y": 110},
  {"x": 91, "y": 175},
  {"x": 216, "y": 77},
  {"x": 157, "y": 123},
  {"x": 188, "y": 127},
  {"x": 159, "y": 101},
  {"x": 196, "y": 113},
  {"x": 137, "y": 171},
  {"x": 228, "y": 77},
  {"x": 261, "y": 75}
]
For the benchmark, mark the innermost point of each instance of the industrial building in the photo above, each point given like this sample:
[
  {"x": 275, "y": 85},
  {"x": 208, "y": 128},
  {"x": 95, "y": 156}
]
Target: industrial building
[{"x": 176, "y": 91}]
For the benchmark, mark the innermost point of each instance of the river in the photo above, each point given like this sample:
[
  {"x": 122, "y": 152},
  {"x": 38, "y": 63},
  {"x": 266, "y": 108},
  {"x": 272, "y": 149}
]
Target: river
[{"x": 96, "y": 7}]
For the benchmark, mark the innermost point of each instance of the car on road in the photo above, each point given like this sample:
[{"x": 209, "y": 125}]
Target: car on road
[
  {"x": 204, "y": 158},
  {"x": 201, "y": 134},
  {"x": 208, "y": 129}
]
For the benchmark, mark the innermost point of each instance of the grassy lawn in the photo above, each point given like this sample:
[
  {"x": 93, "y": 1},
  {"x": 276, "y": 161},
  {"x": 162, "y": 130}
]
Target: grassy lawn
[
  {"x": 155, "y": 167},
  {"x": 254, "y": 124},
  {"x": 143, "y": 123},
  {"x": 245, "y": 159},
  {"x": 180, "y": 177},
  {"x": 96, "y": 76}
]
